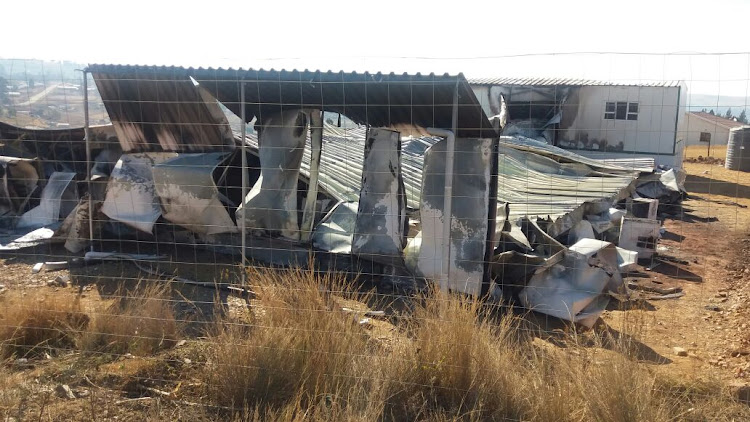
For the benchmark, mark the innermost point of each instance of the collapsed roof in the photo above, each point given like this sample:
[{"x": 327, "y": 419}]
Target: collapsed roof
[
  {"x": 178, "y": 166},
  {"x": 141, "y": 97}
]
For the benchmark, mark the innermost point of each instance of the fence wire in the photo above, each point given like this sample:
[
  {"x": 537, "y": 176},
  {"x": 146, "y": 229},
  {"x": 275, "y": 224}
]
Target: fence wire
[{"x": 200, "y": 243}]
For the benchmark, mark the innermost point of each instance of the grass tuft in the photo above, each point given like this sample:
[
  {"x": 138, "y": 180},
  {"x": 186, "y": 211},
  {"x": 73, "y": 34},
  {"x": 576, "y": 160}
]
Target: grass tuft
[
  {"x": 33, "y": 322},
  {"x": 140, "y": 321},
  {"x": 299, "y": 347}
]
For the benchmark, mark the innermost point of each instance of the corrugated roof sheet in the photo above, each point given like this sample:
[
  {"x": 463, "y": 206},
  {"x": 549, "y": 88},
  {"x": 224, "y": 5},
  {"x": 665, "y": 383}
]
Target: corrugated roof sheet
[
  {"x": 642, "y": 164},
  {"x": 539, "y": 191},
  {"x": 169, "y": 114},
  {"x": 727, "y": 123},
  {"x": 569, "y": 82},
  {"x": 380, "y": 100}
]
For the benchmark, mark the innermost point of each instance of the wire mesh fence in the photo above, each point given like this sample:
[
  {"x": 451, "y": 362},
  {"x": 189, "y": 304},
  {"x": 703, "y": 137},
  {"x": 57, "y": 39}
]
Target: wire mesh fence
[{"x": 201, "y": 243}]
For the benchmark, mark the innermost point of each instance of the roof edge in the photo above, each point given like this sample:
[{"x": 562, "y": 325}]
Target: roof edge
[{"x": 705, "y": 119}]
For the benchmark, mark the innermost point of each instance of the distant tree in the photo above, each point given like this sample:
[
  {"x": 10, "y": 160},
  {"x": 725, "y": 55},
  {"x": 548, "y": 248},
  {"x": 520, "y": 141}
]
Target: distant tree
[
  {"x": 742, "y": 118},
  {"x": 728, "y": 114},
  {"x": 711, "y": 112},
  {"x": 31, "y": 82}
]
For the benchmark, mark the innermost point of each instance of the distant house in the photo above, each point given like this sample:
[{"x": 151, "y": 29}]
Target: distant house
[
  {"x": 599, "y": 119},
  {"x": 68, "y": 87},
  {"x": 703, "y": 128}
]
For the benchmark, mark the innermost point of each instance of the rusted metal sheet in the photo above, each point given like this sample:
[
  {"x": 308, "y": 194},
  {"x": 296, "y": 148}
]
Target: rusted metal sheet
[
  {"x": 155, "y": 111},
  {"x": 380, "y": 229},
  {"x": 188, "y": 193},
  {"x": 471, "y": 233},
  {"x": 271, "y": 205},
  {"x": 131, "y": 195}
]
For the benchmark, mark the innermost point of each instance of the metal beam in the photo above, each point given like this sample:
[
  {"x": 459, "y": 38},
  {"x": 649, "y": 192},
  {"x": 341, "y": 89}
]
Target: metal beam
[{"x": 316, "y": 139}]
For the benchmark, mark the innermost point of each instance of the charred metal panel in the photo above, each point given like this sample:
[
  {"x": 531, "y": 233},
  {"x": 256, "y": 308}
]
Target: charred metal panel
[
  {"x": 577, "y": 287},
  {"x": 188, "y": 193},
  {"x": 58, "y": 199},
  {"x": 380, "y": 100},
  {"x": 131, "y": 194},
  {"x": 15, "y": 241},
  {"x": 75, "y": 227},
  {"x": 316, "y": 145},
  {"x": 470, "y": 226},
  {"x": 58, "y": 149},
  {"x": 380, "y": 229},
  {"x": 154, "y": 111},
  {"x": 271, "y": 205},
  {"x": 19, "y": 181},
  {"x": 335, "y": 231}
]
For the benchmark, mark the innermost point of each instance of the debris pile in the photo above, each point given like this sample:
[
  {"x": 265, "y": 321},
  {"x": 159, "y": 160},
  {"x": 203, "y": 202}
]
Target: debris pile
[{"x": 508, "y": 217}]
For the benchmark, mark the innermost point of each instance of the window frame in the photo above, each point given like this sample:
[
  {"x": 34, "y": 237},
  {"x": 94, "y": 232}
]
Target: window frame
[
  {"x": 633, "y": 115},
  {"x": 609, "y": 110},
  {"x": 621, "y": 110}
]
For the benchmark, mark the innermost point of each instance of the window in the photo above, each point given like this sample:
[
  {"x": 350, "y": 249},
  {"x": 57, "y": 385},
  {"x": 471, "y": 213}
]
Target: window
[
  {"x": 609, "y": 111},
  {"x": 632, "y": 111},
  {"x": 620, "y": 111},
  {"x": 706, "y": 137}
]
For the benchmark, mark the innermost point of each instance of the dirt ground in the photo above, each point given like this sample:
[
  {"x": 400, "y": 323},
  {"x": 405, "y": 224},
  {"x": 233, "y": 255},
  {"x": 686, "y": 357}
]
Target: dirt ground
[
  {"x": 710, "y": 239},
  {"x": 706, "y": 250}
]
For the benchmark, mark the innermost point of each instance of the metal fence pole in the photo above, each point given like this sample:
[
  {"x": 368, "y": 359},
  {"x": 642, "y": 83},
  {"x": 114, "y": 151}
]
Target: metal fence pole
[
  {"x": 243, "y": 146},
  {"x": 87, "y": 135}
]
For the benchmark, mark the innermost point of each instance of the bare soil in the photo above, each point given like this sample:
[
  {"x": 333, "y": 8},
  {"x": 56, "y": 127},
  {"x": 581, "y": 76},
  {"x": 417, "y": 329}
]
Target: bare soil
[{"x": 710, "y": 240}]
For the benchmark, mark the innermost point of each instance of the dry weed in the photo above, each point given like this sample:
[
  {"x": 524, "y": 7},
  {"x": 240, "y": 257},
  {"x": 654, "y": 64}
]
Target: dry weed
[
  {"x": 299, "y": 348},
  {"x": 141, "y": 322},
  {"x": 302, "y": 359},
  {"x": 34, "y": 322}
]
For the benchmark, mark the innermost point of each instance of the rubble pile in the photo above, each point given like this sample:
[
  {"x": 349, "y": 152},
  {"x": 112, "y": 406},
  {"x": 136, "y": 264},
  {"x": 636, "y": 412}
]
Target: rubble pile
[{"x": 508, "y": 217}]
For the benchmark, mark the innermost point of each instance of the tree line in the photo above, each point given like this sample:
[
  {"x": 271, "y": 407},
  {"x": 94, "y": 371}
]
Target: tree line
[{"x": 742, "y": 118}]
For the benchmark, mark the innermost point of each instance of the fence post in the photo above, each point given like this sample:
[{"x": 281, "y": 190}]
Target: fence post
[{"x": 87, "y": 135}]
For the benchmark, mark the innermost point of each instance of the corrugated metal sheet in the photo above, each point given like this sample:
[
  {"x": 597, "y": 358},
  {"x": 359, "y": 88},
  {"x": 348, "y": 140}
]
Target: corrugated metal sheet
[
  {"x": 380, "y": 100},
  {"x": 152, "y": 111},
  {"x": 557, "y": 153},
  {"x": 569, "y": 82},
  {"x": 531, "y": 192},
  {"x": 642, "y": 164}
]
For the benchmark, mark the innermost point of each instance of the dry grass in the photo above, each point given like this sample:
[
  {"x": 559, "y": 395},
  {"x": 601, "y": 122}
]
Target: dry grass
[
  {"x": 297, "y": 357},
  {"x": 140, "y": 321},
  {"x": 35, "y": 322},
  {"x": 451, "y": 359},
  {"x": 457, "y": 361},
  {"x": 695, "y": 151},
  {"x": 299, "y": 351},
  {"x": 10, "y": 393}
]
